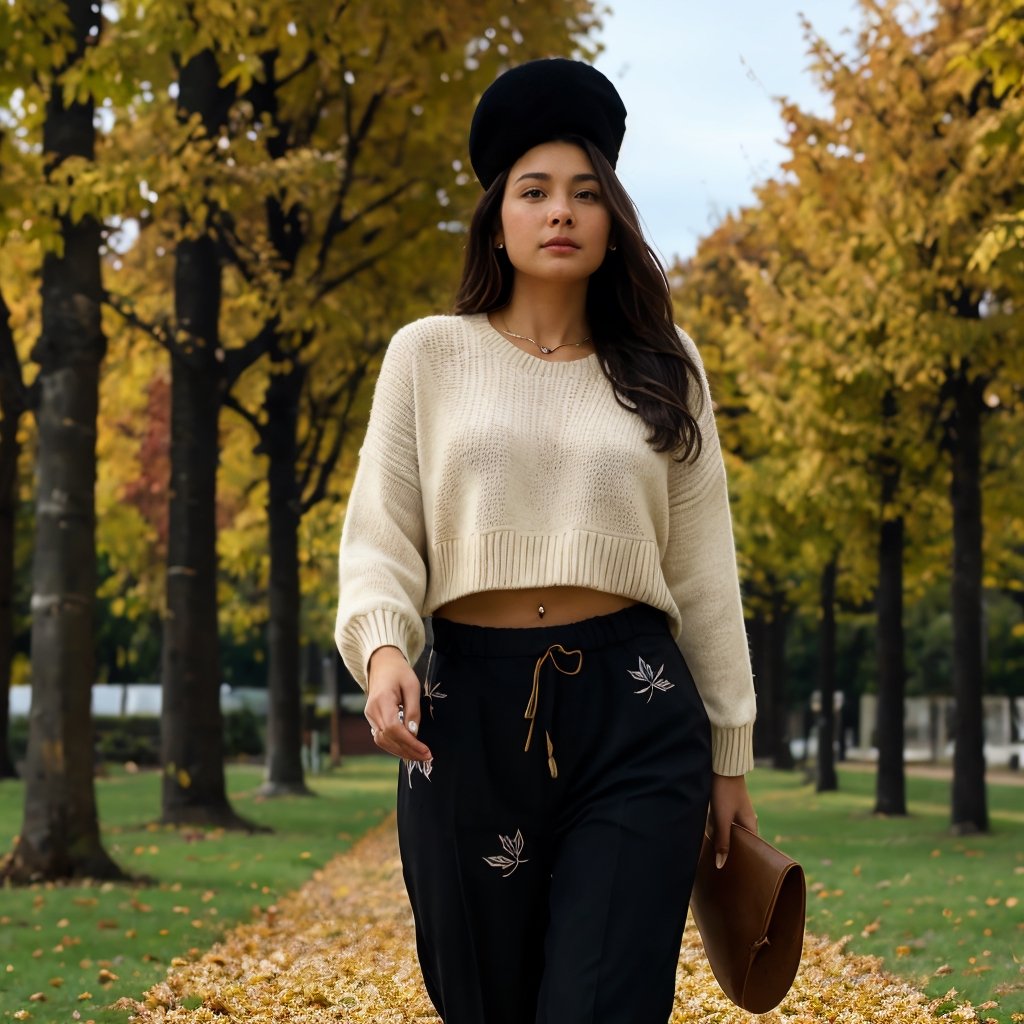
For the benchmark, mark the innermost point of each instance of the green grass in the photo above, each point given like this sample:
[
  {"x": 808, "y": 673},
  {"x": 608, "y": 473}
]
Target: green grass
[
  {"x": 905, "y": 889},
  {"x": 57, "y": 939}
]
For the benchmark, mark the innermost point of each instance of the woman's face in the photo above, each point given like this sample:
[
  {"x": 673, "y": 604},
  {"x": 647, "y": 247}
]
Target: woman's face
[{"x": 554, "y": 221}]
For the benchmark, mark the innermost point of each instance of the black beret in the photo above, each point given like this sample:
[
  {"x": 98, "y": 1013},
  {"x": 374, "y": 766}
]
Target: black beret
[{"x": 538, "y": 101}]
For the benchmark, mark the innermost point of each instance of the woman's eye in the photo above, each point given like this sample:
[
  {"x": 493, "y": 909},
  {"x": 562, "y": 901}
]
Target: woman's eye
[
  {"x": 532, "y": 193},
  {"x": 587, "y": 194}
]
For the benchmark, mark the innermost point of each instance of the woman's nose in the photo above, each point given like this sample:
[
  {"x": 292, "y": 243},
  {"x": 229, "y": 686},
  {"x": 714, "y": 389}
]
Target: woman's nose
[{"x": 559, "y": 216}]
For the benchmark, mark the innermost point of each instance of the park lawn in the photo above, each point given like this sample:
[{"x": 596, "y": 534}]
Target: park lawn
[
  {"x": 942, "y": 911},
  {"x": 902, "y": 889},
  {"x": 67, "y": 941}
]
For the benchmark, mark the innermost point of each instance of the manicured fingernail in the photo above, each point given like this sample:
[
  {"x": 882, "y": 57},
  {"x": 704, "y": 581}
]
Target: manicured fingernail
[
  {"x": 719, "y": 859},
  {"x": 414, "y": 727}
]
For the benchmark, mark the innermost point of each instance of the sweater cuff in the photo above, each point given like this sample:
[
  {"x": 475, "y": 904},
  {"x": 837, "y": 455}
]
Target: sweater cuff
[
  {"x": 382, "y": 627},
  {"x": 732, "y": 750}
]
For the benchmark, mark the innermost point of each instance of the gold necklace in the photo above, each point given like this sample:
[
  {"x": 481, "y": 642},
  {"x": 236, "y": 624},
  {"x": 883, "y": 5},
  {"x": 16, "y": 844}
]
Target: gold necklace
[{"x": 544, "y": 348}]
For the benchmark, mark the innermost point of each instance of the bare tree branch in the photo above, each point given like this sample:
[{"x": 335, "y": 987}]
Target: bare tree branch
[
  {"x": 232, "y": 247},
  {"x": 238, "y": 360},
  {"x": 309, "y": 446},
  {"x": 378, "y": 203},
  {"x": 160, "y": 331},
  {"x": 341, "y": 225},
  {"x": 326, "y": 287},
  {"x": 250, "y": 417},
  {"x": 307, "y": 63},
  {"x": 336, "y": 222},
  {"x": 327, "y": 465}
]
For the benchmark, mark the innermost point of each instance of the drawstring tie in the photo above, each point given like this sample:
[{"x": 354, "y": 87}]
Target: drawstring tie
[{"x": 531, "y": 707}]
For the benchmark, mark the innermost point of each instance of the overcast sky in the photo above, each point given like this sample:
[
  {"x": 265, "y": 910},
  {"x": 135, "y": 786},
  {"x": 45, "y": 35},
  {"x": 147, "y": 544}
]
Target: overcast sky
[{"x": 697, "y": 79}]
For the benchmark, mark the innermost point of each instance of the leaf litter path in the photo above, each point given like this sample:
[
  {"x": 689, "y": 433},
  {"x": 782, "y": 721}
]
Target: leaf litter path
[{"x": 342, "y": 950}]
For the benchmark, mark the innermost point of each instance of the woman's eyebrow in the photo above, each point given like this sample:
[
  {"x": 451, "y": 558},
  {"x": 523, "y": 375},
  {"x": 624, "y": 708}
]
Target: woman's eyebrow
[{"x": 544, "y": 176}]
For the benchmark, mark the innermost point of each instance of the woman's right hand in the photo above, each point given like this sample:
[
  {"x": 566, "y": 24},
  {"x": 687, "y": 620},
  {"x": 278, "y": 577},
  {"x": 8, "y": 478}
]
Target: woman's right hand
[{"x": 392, "y": 686}]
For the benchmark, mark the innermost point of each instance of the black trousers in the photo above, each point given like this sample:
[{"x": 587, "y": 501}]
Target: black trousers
[{"x": 549, "y": 848}]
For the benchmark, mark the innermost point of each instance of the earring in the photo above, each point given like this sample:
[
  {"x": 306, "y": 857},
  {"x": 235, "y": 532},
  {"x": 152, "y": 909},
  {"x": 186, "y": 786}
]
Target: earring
[
  {"x": 612, "y": 247},
  {"x": 500, "y": 245}
]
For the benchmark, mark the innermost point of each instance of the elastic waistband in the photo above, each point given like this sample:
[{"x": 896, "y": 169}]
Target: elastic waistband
[{"x": 512, "y": 642}]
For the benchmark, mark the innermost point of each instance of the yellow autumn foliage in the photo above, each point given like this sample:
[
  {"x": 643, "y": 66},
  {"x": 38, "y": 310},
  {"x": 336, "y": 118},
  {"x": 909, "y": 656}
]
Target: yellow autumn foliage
[{"x": 881, "y": 265}]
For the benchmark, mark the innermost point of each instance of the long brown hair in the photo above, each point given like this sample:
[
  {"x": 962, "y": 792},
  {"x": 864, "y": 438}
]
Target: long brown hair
[{"x": 629, "y": 308}]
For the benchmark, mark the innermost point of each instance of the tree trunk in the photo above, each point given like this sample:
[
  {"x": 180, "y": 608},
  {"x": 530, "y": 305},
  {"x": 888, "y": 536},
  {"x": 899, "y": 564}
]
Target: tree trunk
[
  {"x": 827, "y": 781},
  {"x": 333, "y": 673},
  {"x": 783, "y": 755},
  {"x": 12, "y": 406},
  {"x": 764, "y": 735},
  {"x": 890, "y": 782},
  {"x": 279, "y": 441},
  {"x": 192, "y": 730},
  {"x": 969, "y": 801},
  {"x": 284, "y": 721},
  {"x": 60, "y": 831}
]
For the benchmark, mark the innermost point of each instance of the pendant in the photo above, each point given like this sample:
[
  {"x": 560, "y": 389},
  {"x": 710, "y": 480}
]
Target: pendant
[
  {"x": 540, "y": 610},
  {"x": 545, "y": 350}
]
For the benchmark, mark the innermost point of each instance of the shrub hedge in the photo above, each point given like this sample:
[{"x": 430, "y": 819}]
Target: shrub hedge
[{"x": 137, "y": 737}]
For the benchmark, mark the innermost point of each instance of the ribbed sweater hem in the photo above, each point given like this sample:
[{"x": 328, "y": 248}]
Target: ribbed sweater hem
[
  {"x": 732, "y": 750},
  {"x": 513, "y": 560},
  {"x": 383, "y": 627}
]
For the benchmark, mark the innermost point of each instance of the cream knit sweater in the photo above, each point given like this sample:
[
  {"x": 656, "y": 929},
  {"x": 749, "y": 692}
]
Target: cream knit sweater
[{"x": 485, "y": 467}]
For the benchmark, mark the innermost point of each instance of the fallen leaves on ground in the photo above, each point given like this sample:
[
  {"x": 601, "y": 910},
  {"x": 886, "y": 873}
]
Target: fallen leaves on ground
[{"x": 342, "y": 948}]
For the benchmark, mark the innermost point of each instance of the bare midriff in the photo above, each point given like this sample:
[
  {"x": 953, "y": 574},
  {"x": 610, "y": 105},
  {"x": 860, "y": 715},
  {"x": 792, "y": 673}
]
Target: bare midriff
[{"x": 540, "y": 606}]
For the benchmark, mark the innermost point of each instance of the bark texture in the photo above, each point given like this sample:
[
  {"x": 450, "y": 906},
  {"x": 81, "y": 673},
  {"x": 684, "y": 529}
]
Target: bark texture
[
  {"x": 13, "y": 402},
  {"x": 827, "y": 780},
  {"x": 890, "y": 782},
  {"x": 969, "y": 798},
  {"x": 777, "y": 627},
  {"x": 284, "y": 511},
  {"x": 280, "y": 440},
  {"x": 192, "y": 729},
  {"x": 757, "y": 633},
  {"x": 60, "y": 832}
]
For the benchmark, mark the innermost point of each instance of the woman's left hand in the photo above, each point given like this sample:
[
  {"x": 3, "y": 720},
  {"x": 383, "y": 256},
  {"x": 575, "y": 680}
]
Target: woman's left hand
[{"x": 730, "y": 802}]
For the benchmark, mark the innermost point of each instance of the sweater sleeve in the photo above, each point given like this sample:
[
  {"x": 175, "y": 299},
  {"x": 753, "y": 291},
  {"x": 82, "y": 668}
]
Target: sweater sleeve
[
  {"x": 382, "y": 561},
  {"x": 700, "y": 570}
]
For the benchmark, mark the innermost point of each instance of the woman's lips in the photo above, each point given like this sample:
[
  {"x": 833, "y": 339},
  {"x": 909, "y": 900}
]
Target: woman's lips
[{"x": 560, "y": 245}]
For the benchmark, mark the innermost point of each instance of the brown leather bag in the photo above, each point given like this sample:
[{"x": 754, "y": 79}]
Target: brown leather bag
[{"x": 750, "y": 914}]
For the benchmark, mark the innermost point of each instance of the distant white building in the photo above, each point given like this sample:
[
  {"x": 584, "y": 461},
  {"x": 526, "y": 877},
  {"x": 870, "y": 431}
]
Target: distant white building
[
  {"x": 928, "y": 729},
  {"x": 116, "y": 699}
]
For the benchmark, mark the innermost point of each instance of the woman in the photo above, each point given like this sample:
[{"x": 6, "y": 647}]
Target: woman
[{"x": 542, "y": 475}]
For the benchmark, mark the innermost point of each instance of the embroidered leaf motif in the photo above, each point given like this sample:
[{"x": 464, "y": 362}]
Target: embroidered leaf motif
[
  {"x": 513, "y": 847},
  {"x": 424, "y": 766},
  {"x": 653, "y": 679},
  {"x": 432, "y": 693},
  {"x": 499, "y": 862}
]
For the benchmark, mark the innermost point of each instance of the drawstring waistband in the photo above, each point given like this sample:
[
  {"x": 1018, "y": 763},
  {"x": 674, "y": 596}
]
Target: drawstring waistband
[
  {"x": 531, "y": 706},
  {"x": 568, "y": 640},
  {"x": 594, "y": 633}
]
